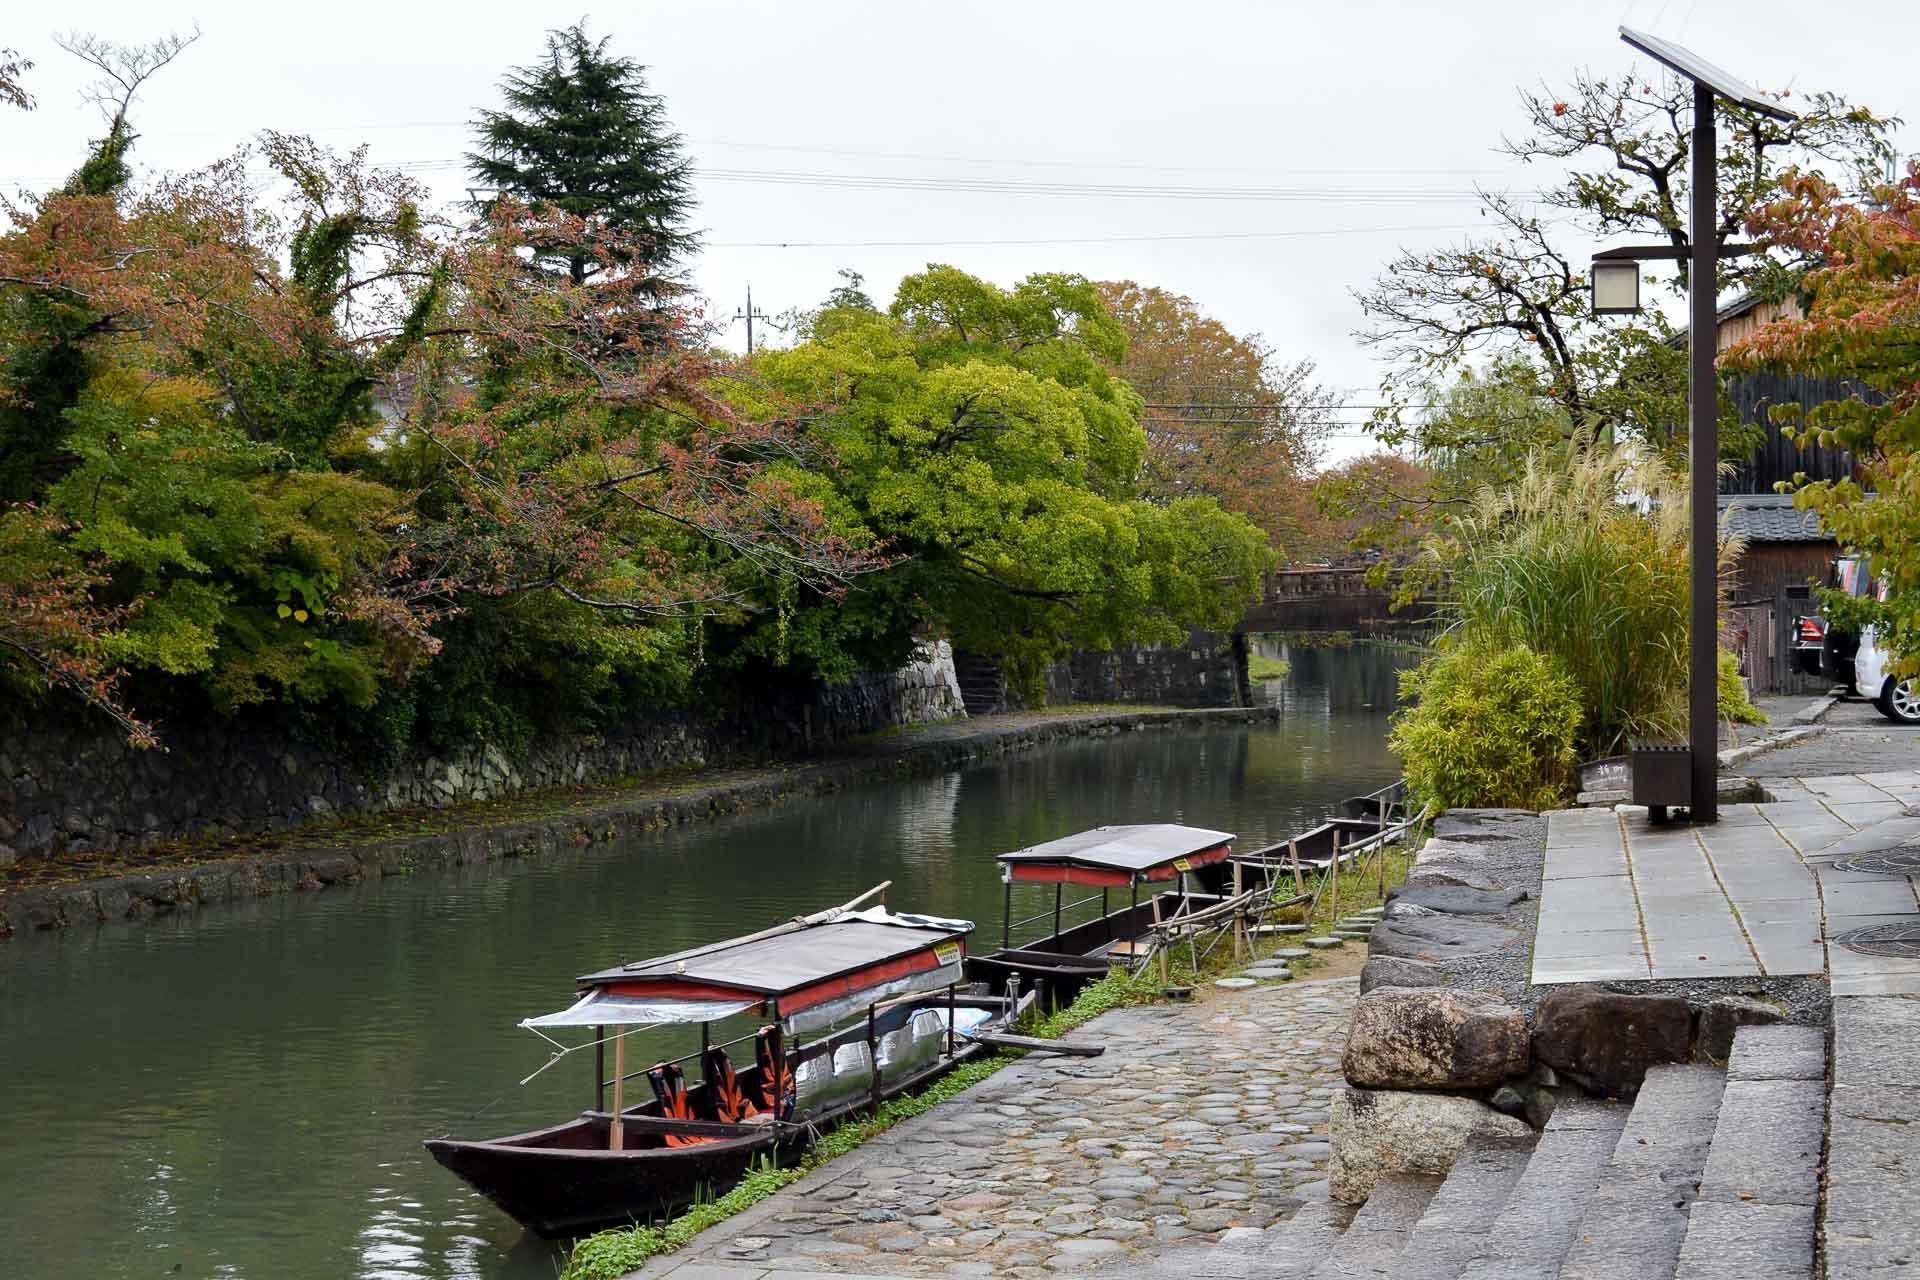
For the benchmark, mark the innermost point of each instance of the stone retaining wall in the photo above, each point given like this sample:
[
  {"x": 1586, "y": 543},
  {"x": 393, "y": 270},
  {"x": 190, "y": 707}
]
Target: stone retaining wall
[
  {"x": 75, "y": 787},
  {"x": 312, "y": 861},
  {"x": 1208, "y": 670}
]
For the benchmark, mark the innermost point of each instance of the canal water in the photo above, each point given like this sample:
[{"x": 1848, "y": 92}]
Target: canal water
[{"x": 242, "y": 1093}]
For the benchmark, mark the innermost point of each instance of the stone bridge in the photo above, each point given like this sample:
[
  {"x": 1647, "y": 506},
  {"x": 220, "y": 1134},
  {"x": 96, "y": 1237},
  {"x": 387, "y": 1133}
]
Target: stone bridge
[{"x": 1329, "y": 600}]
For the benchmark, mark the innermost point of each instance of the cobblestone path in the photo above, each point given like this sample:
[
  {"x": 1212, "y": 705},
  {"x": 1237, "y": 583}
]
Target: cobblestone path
[{"x": 1197, "y": 1119}]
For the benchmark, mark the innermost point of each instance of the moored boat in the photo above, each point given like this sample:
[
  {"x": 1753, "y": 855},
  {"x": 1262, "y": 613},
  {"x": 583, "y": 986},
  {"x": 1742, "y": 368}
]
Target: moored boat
[
  {"x": 882, "y": 995},
  {"x": 1156, "y": 857}
]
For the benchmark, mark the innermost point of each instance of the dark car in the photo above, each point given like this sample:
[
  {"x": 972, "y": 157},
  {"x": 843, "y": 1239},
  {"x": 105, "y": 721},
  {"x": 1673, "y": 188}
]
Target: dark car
[{"x": 1823, "y": 650}]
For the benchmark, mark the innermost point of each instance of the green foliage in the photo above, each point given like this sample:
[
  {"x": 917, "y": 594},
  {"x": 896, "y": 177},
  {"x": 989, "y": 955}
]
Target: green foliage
[
  {"x": 1735, "y": 706},
  {"x": 1488, "y": 726},
  {"x": 978, "y": 434},
  {"x": 1560, "y": 563},
  {"x": 1261, "y": 667},
  {"x": 556, "y": 521},
  {"x": 233, "y": 565},
  {"x": 44, "y": 365},
  {"x": 105, "y": 170}
]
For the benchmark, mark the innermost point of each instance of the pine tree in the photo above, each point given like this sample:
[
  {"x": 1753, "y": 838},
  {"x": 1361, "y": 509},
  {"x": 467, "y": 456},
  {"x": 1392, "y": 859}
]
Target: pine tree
[{"x": 581, "y": 133}]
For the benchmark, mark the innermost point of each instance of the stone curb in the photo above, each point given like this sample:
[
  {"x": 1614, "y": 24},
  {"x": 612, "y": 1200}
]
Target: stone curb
[
  {"x": 170, "y": 890},
  {"x": 1773, "y": 741},
  {"x": 1816, "y": 711}
]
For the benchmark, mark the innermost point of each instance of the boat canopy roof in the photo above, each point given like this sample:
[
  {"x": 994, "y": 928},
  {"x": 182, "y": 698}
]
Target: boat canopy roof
[
  {"x": 873, "y": 953},
  {"x": 1118, "y": 855}
]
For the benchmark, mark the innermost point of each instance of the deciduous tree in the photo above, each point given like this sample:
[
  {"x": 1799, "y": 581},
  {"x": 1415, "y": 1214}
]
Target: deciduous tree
[
  {"x": 1519, "y": 293},
  {"x": 982, "y": 436},
  {"x": 1861, "y": 323},
  {"x": 1225, "y": 418}
]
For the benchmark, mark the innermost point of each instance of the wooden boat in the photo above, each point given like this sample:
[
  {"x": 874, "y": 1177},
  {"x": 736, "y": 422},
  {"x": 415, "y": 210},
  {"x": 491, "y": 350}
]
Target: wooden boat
[
  {"x": 1366, "y": 822},
  {"x": 1200, "y": 869},
  {"x": 883, "y": 994},
  {"x": 1108, "y": 858}
]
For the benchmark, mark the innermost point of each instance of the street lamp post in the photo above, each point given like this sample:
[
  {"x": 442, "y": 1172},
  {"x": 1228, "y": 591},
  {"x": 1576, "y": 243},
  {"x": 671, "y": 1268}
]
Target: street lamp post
[{"x": 1613, "y": 294}]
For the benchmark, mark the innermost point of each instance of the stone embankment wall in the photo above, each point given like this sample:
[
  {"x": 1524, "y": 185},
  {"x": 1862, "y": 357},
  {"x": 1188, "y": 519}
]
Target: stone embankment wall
[
  {"x": 75, "y": 787},
  {"x": 319, "y": 858},
  {"x": 1209, "y": 670}
]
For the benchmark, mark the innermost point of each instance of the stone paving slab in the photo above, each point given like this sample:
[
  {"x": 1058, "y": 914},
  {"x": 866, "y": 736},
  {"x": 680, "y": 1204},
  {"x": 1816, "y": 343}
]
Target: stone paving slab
[
  {"x": 1752, "y": 896},
  {"x": 1196, "y": 1120},
  {"x": 1767, "y": 1143}
]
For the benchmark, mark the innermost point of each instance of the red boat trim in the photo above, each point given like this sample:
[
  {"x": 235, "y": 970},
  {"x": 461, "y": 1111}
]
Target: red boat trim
[
  {"x": 1104, "y": 878},
  {"x": 802, "y": 997},
  {"x": 820, "y": 992}
]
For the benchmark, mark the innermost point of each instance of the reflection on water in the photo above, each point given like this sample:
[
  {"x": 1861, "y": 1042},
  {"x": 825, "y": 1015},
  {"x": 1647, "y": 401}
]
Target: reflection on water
[{"x": 243, "y": 1093}]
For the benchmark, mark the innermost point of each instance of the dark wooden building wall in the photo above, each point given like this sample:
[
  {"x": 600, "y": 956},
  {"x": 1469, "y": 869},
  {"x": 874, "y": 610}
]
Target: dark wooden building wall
[
  {"x": 1773, "y": 584},
  {"x": 1755, "y": 396}
]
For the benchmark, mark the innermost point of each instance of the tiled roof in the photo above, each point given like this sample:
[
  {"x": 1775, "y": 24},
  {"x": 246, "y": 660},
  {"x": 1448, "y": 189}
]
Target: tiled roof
[{"x": 1769, "y": 517}]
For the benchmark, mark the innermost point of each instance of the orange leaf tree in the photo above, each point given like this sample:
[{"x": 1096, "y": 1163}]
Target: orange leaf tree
[
  {"x": 1861, "y": 323},
  {"x": 1224, "y": 417}
]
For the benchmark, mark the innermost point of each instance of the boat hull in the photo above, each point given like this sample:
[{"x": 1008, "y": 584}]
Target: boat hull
[
  {"x": 562, "y": 1181},
  {"x": 554, "y": 1187}
]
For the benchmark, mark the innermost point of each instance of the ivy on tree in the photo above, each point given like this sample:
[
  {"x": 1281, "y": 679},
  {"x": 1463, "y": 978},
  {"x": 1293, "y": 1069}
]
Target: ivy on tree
[{"x": 581, "y": 133}]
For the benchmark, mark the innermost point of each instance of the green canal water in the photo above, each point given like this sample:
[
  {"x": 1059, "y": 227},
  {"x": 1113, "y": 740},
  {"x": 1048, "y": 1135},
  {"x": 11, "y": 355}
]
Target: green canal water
[{"x": 243, "y": 1093}]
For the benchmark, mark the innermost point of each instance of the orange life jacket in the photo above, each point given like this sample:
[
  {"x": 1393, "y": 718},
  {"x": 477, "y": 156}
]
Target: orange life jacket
[
  {"x": 776, "y": 1079},
  {"x": 670, "y": 1087}
]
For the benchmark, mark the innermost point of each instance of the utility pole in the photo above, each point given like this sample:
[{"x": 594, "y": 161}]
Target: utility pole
[
  {"x": 1616, "y": 286},
  {"x": 749, "y": 315}
]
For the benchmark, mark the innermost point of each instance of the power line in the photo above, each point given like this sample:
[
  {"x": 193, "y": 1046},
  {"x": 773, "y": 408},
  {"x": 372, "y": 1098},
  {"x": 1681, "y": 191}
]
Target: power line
[
  {"x": 1101, "y": 190},
  {"x": 1390, "y": 194},
  {"x": 1140, "y": 239},
  {"x": 1393, "y": 171}
]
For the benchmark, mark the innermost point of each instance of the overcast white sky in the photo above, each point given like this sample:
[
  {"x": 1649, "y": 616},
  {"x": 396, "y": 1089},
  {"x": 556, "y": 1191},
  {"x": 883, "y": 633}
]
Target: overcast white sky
[{"x": 1372, "y": 122}]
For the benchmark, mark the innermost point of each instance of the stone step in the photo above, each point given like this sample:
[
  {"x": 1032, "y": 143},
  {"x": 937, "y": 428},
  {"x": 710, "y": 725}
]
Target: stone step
[
  {"x": 1326, "y": 943},
  {"x": 1271, "y": 930},
  {"x": 1871, "y": 1229},
  {"x": 1531, "y": 1236},
  {"x": 1378, "y": 1234},
  {"x": 1758, "y": 1192},
  {"x": 1353, "y": 935},
  {"x": 1454, "y": 1228},
  {"x": 1633, "y": 1225}
]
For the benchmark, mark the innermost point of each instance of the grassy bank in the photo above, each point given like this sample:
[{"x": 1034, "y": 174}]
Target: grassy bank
[{"x": 1261, "y": 667}]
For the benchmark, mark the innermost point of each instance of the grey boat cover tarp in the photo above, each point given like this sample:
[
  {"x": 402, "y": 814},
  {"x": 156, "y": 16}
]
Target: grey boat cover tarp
[
  {"x": 855, "y": 951},
  {"x": 1147, "y": 851}
]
